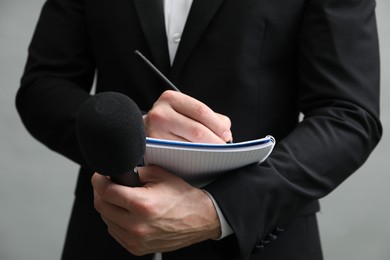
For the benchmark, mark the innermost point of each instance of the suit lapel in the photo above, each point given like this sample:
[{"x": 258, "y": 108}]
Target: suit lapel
[
  {"x": 151, "y": 16},
  {"x": 201, "y": 13}
]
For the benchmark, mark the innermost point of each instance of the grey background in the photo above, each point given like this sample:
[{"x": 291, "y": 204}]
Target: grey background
[{"x": 36, "y": 185}]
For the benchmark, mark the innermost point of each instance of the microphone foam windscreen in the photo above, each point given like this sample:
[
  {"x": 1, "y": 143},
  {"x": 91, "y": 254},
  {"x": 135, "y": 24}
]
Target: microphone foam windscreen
[{"x": 111, "y": 133}]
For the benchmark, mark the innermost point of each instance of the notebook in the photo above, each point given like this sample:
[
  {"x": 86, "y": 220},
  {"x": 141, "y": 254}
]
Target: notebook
[{"x": 200, "y": 163}]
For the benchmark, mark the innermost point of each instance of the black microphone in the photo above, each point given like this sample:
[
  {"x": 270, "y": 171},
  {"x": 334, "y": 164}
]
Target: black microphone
[{"x": 111, "y": 136}]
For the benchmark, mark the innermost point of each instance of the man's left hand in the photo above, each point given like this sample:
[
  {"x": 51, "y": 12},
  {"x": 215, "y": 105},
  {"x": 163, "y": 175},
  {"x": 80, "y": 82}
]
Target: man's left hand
[{"x": 163, "y": 215}]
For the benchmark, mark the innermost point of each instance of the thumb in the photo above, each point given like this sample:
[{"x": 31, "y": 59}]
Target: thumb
[{"x": 155, "y": 174}]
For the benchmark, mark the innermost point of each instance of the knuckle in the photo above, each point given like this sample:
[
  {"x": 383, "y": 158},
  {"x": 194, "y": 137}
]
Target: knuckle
[
  {"x": 140, "y": 232},
  {"x": 148, "y": 209},
  {"x": 155, "y": 116},
  {"x": 168, "y": 95},
  {"x": 202, "y": 110},
  {"x": 198, "y": 133}
]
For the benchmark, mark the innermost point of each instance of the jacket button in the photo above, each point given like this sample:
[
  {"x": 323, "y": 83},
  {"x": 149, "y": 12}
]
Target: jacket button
[
  {"x": 266, "y": 240},
  {"x": 277, "y": 231},
  {"x": 261, "y": 244},
  {"x": 258, "y": 248}
]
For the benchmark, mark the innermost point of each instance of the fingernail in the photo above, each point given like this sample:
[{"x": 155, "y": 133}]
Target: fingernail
[{"x": 227, "y": 136}]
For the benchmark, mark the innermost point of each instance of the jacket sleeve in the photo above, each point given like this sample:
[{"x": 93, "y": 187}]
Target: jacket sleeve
[
  {"x": 58, "y": 77},
  {"x": 338, "y": 63}
]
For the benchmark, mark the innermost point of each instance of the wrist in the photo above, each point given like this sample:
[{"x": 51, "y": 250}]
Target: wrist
[
  {"x": 225, "y": 228},
  {"x": 211, "y": 225},
  {"x": 213, "y": 228}
]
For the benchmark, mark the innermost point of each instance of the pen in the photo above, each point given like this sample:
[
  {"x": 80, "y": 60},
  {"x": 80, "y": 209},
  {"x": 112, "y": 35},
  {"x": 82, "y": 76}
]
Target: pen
[
  {"x": 156, "y": 71},
  {"x": 160, "y": 75}
]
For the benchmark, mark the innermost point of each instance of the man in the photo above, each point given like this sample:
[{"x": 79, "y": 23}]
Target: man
[{"x": 248, "y": 68}]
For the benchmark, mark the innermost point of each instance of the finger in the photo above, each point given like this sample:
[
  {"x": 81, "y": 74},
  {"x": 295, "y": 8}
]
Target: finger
[
  {"x": 153, "y": 175},
  {"x": 229, "y": 123},
  {"x": 166, "y": 123},
  {"x": 140, "y": 243},
  {"x": 164, "y": 130},
  {"x": 160, "y": 122},
  {"x": 110, "y": 192},
  {"x": 123, "y": 242},
  {"x": 197, "y": 111},
  {"x": 117, "y": 229},
  {"x": 137, "y": 244},
  {"x": 121, "y": 236},
  {"x": 109, "y": 211},
  {"x": 191, "y": 130},
  {"x": 224, "y": 119}
]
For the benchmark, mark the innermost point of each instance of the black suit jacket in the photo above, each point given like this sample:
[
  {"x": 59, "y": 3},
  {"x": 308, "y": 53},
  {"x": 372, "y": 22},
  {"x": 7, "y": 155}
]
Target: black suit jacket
[{"x": 261, "y": 63}]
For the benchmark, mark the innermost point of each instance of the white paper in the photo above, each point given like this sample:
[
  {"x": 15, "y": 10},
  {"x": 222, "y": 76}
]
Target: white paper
[{"x": 199, "y": 163}]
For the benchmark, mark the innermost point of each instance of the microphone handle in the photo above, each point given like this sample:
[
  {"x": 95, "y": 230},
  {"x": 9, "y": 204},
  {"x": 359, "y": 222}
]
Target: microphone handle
[{"x": 130, "y": 179}]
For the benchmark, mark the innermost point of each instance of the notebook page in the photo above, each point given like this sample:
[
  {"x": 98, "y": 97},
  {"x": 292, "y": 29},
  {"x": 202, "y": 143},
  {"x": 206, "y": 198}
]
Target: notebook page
[{"x": 201, "y": 163}]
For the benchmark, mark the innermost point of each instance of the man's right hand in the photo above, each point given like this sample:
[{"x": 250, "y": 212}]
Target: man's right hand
[{"x": 176, "y": 116}]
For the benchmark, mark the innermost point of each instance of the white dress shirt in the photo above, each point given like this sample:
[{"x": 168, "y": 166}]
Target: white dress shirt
[{"x": 176, "y": 13}]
